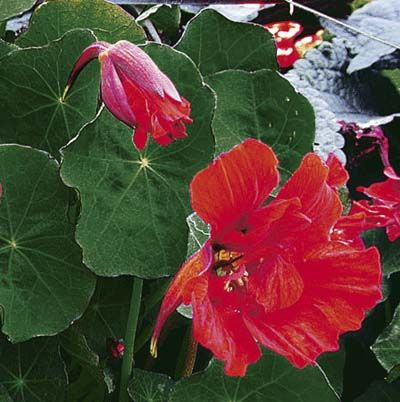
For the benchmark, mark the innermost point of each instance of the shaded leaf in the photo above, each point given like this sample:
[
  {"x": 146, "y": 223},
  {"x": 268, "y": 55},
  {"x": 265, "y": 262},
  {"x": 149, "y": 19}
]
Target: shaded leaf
[
  {"x": 272, "y": 379},
  {"x": 32, "y": 371},
  {"x": 265, "y": 106},
  {"x": 380, "y": 391},
  {"x": 216, "y": 43},
  {"x": 332, "y": 364},
  {"x": 56, "y": 17},
  {"x": 165, "y": 17},
  {"x": 390, "y": 251},
  {"x": 387, "y": 346},
  {"x": 146, "y": 386},
  {"x": 44, "y": 286},
  {"x": 31, "y": 85},
  {"x": 14, "y": 7},
  {"x": 107, "y": 314},
  {"x": 134, "y": 205}
]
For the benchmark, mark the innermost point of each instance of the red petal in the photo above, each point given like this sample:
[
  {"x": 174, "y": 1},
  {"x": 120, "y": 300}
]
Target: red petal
[
  {"x": 388, "y": 191},
  {"x": 223, "y": 332},
  {"x": 338, "y": 175},
  {"x": 262, "y": 226},
  {"x": 319, "y": 201},
  {"x": 340, "y": 285},
  {"x": 192, "y": 268},
  {"x": 90, "y": 53},
  {"x": 276, "y": 284},
  {"x": 234, "y": 185},
  {"x": 139, "y": 138},
  {"x": 113, "y": 94}
]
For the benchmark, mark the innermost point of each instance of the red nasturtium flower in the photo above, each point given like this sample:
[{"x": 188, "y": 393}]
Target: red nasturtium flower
[
  {"x": 384, "y": 208},
  {"x": 270, "y": 273},
  {"x": 288, "y": 49},
  {"x": 136, "y": 92}
]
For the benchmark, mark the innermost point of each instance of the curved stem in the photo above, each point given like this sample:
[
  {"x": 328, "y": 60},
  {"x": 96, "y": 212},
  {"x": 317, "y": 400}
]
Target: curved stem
[
  {"x": 191, "y": 354},
  {"x": 130, "y": 335}
]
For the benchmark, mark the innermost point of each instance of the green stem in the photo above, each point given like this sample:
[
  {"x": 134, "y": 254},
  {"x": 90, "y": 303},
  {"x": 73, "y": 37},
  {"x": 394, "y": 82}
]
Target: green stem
[{"x": 130, "y": 334}]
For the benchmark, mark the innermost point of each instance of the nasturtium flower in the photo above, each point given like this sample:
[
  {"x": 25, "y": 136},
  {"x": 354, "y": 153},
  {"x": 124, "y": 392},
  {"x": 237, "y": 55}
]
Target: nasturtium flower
[
  {"x": 270, "y": 274},
  {"x": 137, "y": 92},
  {"x": 288, "y": 49},
  {"x": 383, "y": 209},
  {"x": 284, "y": 33}
]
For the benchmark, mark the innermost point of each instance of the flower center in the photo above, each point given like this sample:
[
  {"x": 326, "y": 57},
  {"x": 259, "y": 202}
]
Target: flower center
[{"x": 227, "y": 264}]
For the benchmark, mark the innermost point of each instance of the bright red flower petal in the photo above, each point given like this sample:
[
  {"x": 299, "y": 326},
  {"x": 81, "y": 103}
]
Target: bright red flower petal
[
  {"x": 235, "y": 184},
  {"x": 193, "y": 267},
  {"x": 222, "y": 331},
  {"x": 338, "y": 175},
  {"x": 319, "y": 201},
  {"x": 276, "y": 284},
  {"x": 384, "y": 209},
  {"x": 340, "y": 284}
]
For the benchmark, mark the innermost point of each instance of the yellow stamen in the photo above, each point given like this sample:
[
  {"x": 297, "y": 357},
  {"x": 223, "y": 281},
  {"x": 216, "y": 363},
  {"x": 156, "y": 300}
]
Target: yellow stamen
[
  {"x": 153, "y": 348},
  {"x": 65, "y": 93}
]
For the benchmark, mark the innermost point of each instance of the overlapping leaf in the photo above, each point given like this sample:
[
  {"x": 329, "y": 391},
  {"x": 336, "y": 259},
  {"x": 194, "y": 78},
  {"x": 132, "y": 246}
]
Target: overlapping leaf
[
  {"x": 272, "y": 379},
  {"x": 32, "y": 82},
  {"x": 265, "y": 106},
  {"x": 56, "y": 17},
  {"x": 44, "y": 286},
  {"x": 32, "y": 371},
  {"x": 134, "y": 204},
  {"x": 216, "y": 43},
  {"x": 14, "y": 7},
  {"x": 387, "y": 346},
  {"x": 380, "y": 391}
]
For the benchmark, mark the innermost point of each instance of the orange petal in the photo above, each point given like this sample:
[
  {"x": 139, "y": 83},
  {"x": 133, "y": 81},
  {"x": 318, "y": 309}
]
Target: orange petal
[
  {"x": 319, "y": 201},
  {"x": 236, "y": 183},
  {"x": 192, "y": 268},
  {"x": 223, "y": 332},
  {"x": 338, "y": 175},
  {"x": 276, "y": 284}
]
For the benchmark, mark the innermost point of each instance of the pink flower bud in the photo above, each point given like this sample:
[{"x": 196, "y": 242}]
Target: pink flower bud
[{"x": 136, "y": 92}]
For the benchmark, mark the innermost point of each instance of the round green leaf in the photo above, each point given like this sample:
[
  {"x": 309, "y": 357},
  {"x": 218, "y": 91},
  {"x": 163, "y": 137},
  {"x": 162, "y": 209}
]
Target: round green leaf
[
  {"x": 32, "y": 371},
  {"x": 216, "y": 43},
  {"x": 32, "y": 82},
  {"x": 146, "y": 386},
  {"x": 10, "y": 8},
  {"x": 44, "y": 286},
  {"x": 134, "y": 204},
  {"x": 272, "y": 379},
  {"x": 54, "y": 18},
  {"x": 262, "y": 105}
]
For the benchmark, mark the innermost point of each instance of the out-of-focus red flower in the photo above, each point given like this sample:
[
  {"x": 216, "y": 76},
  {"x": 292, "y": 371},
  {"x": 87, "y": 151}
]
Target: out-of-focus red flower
[
  {"x": 136, "y": 92},
  {"x": 364, "y": 141},
  {"x": 288, "y": 49},
  {"x": 270, "y": 273},
  {"x": 384, "y": 208}
]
